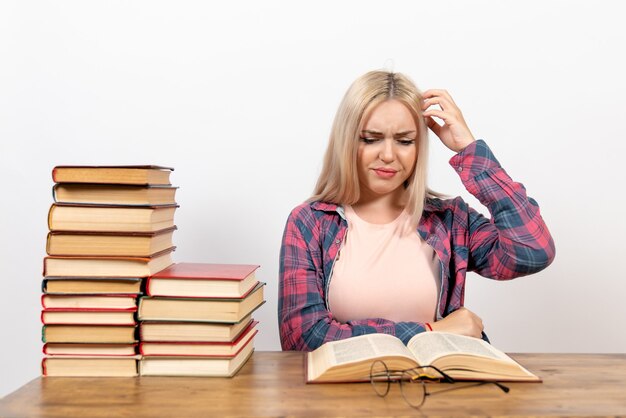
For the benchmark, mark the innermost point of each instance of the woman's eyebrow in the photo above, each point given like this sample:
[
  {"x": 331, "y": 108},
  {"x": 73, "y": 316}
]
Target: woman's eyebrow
[
  {"x": 372, "y": 132},
  {"x": 404, "y": 133}
]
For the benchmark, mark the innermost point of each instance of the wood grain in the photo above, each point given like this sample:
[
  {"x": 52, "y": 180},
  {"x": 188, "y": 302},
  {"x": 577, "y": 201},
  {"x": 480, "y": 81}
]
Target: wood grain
[{"x": 272, "y": 384}]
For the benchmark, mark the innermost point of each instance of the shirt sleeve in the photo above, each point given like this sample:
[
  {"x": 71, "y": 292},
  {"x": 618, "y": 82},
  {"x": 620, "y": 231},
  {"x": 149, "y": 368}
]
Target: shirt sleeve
[
  {"x": 304, "y": 321},
  {"x": 515, "y": 241}
]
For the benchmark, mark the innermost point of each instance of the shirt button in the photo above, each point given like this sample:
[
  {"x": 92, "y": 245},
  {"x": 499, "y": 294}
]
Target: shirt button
[
  {"x": 337, "y": 241},
  {"x": 459, "y": 169}
]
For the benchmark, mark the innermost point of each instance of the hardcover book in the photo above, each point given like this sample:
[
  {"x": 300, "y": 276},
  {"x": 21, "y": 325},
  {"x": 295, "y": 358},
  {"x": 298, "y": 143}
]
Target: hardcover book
[
  {"x": 136, "y": 244},
  {"x": 90, "y": 350},
  {"x": 192, "y": 331},
  {"x": 67, "y": 217},
  {"x": 107, "y": 194},
  {"x": 106, "y": 266},
  {"x": 195, "y": 366},
  {"x": 120, "y": 174},
  {"x": 203, "y": 280},
  {"x": 461, "y": 357},
  {"x": 90, "y": 366},
  {"x": 110, "y": 301},
  {"x": 88, "y": 334},
  {"x": 91, "y": 285},
  {"x": 201, "y": 349},
  {"x": 89, "y": 316},
  {"x": 229, "y": 310}
]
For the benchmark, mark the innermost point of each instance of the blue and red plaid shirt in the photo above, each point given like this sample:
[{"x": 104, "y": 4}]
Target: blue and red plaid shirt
[{"x": 514, "y": 242}]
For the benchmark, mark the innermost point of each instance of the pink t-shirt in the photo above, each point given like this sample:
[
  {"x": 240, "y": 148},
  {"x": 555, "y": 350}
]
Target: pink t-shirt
[{"x": 384, "y": 271}]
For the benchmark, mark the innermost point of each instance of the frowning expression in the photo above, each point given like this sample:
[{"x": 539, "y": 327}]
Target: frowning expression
[{"x": 387, "y": 150}]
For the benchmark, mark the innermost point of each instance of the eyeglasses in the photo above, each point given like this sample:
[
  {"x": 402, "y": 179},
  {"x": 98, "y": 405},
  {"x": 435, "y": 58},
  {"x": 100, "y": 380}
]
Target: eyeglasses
[{"x": 414, "y": 382}]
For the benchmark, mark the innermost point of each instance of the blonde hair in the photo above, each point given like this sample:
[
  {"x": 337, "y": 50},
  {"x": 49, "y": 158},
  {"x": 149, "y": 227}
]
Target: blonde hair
[{"x": 339, "y": 182}]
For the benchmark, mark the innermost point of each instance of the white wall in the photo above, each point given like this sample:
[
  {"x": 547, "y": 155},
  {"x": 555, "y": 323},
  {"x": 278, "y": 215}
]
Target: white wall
[{"x": 239, "y": 98}]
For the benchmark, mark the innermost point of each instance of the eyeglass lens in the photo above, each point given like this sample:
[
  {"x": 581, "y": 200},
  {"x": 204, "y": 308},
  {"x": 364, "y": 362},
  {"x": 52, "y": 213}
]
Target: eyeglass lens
[
  {"x": 379, "y": 378},
  {"x": 413, "y": 389}
]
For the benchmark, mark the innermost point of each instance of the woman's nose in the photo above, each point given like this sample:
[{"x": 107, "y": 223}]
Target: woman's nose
[{"x": 386, "y": 153}]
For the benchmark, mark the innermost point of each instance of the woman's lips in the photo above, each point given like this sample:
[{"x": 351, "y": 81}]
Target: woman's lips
[{"x": 385, "y": 172}]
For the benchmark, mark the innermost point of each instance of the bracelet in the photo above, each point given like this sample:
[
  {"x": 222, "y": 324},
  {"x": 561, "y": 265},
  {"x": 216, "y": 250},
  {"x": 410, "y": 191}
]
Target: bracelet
[{"x": 428, "y": 326}]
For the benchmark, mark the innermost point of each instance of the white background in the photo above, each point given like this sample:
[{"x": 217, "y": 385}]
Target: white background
[{"x": 239, "y": 98}]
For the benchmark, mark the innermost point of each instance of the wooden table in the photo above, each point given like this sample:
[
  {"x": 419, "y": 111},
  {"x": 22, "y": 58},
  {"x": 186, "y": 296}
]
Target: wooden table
[{"x": 272, "y": 384}]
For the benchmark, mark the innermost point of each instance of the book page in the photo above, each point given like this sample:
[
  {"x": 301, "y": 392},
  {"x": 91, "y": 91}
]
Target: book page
[
  {"x": 366, "y": 347},
  {"x": 428, "y": 346}
]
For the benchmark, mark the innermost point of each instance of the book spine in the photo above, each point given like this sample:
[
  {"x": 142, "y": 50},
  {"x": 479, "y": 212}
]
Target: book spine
[
  {"x": 113, "y": 324},
  {"x": 48, "y": 244},
  {"x": 43, "y": 367},
  {"x": 148, "y": 280},
  {"x": 50, "y": 217},
  {"x": 43, "y": 334},
  {"x": 131, "y": 309}
]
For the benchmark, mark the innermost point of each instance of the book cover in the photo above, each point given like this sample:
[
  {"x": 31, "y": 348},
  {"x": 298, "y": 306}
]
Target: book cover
[
  {"x": 195, "y": 366},
  {"x": 226, "y": 310},
  {"x": 100, "y": 366},
  {"x": 113, "y": 244},
  {"x": 206, "y": 271},
  {"x": 112, "y": 174},
  {"x": 203, "y": 280},
  {"x": 105, "y": 266},
  {"x": 199, "y": 348},
  {"x": 91, "y": 285},
  {"x": 111, "y": 195},
  {"x": 101, "y": 301},
  {"x": 82, "y": 316},
  {"x": 110, "y": 218},
  {"x": 89, "y": 349},
  {"x": 89, "y": 333},
  {"x": 152, "y": 331}
]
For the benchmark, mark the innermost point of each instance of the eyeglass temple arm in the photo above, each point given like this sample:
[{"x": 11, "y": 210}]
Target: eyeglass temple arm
[
  {"x": 505, "y": 389},
  {"x": 446, "y": 378}
]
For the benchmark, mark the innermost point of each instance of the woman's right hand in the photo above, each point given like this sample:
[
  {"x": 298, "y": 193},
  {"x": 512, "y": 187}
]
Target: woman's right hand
[{"x": 462, "y": 322}]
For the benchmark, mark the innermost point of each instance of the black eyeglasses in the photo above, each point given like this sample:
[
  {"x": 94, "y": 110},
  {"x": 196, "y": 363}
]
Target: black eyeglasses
[{"x": 413, "y": 382}]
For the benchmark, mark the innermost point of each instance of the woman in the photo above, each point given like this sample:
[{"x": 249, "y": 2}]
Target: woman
[{"x": 374, "y": 250}]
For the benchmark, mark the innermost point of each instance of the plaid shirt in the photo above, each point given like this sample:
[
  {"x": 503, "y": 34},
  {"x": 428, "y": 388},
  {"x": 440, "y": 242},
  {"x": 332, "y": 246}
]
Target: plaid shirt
[{"x": 514, "y": 242}]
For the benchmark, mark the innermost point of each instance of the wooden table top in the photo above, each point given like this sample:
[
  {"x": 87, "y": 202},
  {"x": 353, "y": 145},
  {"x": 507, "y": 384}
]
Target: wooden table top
[{"x": 272, "y": 384}]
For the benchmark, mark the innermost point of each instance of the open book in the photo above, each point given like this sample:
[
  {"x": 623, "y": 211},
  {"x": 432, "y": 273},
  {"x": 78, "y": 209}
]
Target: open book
[{"x": 462, "y": 358}]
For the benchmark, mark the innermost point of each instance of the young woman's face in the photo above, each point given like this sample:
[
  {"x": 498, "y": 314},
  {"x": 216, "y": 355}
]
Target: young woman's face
[{"x": 387, "y": 149}]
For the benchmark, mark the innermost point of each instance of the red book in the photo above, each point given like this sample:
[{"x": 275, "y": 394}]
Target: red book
[
  {"x": 203, "y": 280},
  {"x": 163, "y": 331},
  {"x": 196, "y": 365},
  {"x": 89, "y": 349},
  {"x": 200, "y": 349}
]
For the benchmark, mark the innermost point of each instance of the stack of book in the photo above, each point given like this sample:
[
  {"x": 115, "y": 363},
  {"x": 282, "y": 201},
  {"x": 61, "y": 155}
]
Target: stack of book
[
  {"x": 110, "y": 227},
  {"x": 196, "y": 319}
]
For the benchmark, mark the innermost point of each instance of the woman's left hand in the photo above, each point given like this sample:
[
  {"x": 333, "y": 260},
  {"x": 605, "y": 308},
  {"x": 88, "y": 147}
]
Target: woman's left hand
[{"x": 454, "y": 133}]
